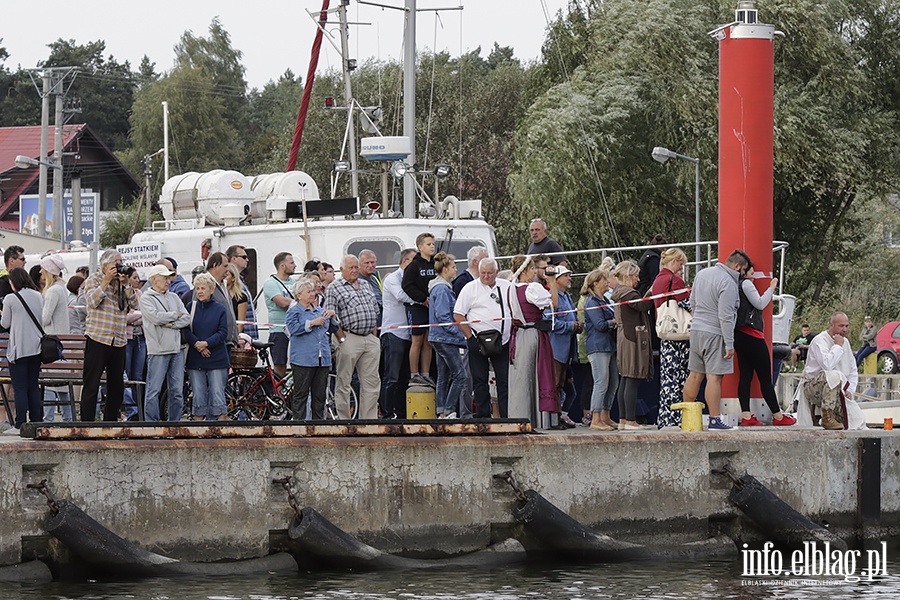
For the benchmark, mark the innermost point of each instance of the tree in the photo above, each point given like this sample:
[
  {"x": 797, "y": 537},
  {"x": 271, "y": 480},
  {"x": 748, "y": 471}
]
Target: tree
[
  {"x": 220, "y": 62},
  {"x": 201, "y": 138},
  {"x": 584, "y": 145}
]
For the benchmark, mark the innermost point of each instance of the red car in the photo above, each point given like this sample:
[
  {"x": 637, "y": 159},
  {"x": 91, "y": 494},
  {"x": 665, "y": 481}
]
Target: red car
[{"x": 887, "y": 343}]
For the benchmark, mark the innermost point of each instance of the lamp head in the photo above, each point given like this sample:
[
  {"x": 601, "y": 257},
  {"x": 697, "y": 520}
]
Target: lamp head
[
  {"x": 23, "y": 162},
  {"x": 661, "y": 154}
]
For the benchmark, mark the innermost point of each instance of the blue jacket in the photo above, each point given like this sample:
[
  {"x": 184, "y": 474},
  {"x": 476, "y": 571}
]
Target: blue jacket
[
  {"x": 598, "y": 324},
  {"x": 562, "y": 337},
  {"x": 211, "y": 325},
  {"x": 310, "y": 344},
  {"x": 441, "y": 300}
]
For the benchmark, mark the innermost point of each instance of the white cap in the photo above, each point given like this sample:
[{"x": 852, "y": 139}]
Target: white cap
[{"x": 159, "y": 270}]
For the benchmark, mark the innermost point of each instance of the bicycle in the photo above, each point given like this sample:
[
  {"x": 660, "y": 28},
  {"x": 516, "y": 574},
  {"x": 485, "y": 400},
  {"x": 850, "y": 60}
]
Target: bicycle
[
  {"x": 258, "y": 394},
  {"x": 331, "y": 406}
]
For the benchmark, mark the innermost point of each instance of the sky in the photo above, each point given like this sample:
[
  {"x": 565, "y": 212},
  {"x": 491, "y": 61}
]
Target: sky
[{"x": 273, "y": 38}]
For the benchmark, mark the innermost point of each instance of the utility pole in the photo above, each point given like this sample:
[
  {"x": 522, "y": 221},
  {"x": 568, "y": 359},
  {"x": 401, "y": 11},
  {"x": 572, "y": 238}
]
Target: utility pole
[
  {"x": 348, "y": 65},
  {"x": 409, "y": 105},
  {"x": 165, "y": 106},
  {"x": 52, "y": 84},
  {"x": 59, "y": 226},
  {"x": 42, "y": 178}
]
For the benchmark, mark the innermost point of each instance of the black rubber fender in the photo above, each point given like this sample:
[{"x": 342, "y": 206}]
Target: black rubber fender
[
  {"x": 776, "y": 518},
  {"x": 559, "y": 534},
  {"x": 31, "y": 572},
  {"x": 98, "y": 546},
  {"x": 314, "y": 538}
]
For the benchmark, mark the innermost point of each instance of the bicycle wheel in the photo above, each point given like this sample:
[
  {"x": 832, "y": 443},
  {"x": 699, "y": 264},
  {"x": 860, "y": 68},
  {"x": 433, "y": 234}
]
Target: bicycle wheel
[
  {"x": 331, "y": 406},
  {"x": 246, "y": 400}
]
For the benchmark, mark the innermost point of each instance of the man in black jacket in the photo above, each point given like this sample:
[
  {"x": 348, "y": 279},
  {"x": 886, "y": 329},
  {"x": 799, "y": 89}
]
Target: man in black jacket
[{"x": 415, "y": 283}]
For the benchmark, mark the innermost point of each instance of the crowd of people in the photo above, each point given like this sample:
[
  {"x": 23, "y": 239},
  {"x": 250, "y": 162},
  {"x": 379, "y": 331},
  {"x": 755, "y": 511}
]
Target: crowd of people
[{"x": 553, "y": 359}]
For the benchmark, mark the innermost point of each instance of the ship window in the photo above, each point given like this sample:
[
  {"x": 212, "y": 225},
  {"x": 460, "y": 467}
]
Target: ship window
[
  {"x": 387, "y": 251},
  {"x": 459, "y": 248}
]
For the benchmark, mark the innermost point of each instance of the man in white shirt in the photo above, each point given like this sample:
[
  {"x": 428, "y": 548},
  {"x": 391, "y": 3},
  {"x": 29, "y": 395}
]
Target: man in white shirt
[
  {"x": 484, "y": 300},
  {"x": 395, "y": 343},
  {"x": 830, "y": 379}
]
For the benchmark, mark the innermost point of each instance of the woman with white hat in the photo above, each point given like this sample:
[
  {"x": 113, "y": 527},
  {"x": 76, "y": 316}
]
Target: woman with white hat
[{"x": 55, "y": 319}]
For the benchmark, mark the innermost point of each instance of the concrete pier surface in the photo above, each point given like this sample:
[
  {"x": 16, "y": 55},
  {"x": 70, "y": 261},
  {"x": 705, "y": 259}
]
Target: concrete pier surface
[{"x": 215, "y": 499}]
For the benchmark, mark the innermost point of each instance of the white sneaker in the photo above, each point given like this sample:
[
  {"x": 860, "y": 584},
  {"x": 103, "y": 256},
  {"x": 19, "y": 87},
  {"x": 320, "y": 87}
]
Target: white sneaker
[
  {"x": 4, "y": 426},
  {"x": 451, "y": 416},
  {"x": 11, "y": 431}
]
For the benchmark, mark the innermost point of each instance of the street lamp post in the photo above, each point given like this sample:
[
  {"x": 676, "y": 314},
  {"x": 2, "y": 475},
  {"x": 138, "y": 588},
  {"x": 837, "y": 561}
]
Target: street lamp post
[
  {"x": 24, "y": 162},
  {"x": 661, "y": 155}
]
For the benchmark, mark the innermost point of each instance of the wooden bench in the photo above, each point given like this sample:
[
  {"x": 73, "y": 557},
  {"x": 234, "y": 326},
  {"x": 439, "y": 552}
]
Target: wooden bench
[{"x": 68, "y": 373}]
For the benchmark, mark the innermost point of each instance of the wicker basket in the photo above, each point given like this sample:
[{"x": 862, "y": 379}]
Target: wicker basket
[{"x": 243, "y": 359}]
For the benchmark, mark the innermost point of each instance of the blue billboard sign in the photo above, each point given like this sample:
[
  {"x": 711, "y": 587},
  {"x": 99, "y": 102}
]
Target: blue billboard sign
[{"x": 29, "y": 222}]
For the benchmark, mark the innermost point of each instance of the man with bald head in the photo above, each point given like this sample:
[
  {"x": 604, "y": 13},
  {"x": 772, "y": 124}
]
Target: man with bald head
[
  {"x": 356, "y": 310},
  {"x": 830, "y": 379}
]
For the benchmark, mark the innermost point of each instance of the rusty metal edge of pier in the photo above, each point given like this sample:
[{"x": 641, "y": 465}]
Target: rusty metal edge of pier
[{"x": 271, "y": 429}]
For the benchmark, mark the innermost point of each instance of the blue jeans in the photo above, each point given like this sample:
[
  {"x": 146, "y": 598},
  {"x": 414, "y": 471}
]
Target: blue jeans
[
  {"x": 451, "y": 377},
  {"x": 395, "y": 352},
  {"x": 209, "y": 392},
  {"x": 50, "y": 411},
  {"x": 863, "y": 353},
  {"x": 135, "y": 358},
  {"x": 606, "y": 380},
  {"x": 164, "y": 368},
  {"x": 24, "y": 374}
]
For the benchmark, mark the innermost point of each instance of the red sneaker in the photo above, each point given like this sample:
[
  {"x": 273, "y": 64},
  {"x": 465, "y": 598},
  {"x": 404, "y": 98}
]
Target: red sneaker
[
  {"x": 751, "y": 422},
  {"x": 785, "y": 420}
]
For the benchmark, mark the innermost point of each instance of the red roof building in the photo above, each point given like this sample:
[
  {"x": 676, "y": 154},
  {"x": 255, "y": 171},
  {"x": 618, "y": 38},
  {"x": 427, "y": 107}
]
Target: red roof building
[{"x": 83, "y": 151}]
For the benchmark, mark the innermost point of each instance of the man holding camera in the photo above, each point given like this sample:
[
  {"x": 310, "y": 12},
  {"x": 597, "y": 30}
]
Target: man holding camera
[{"x": 108, "y": 298}]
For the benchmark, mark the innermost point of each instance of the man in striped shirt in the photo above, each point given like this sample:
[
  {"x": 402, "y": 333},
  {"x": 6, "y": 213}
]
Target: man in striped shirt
[{"x": 108, "y": 298}]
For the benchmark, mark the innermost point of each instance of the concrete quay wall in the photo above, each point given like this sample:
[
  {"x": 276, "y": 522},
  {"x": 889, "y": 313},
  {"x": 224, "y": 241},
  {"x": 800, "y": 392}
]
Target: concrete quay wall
[{"x": 215, "y": 499}]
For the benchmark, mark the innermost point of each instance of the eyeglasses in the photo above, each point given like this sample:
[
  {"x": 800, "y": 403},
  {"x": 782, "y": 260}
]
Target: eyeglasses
[{"x": 244, "y": 256}]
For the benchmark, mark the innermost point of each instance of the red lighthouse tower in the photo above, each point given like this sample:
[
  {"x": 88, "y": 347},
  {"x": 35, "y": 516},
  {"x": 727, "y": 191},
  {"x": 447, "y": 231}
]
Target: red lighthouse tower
[{"x": 746, "y": 96}]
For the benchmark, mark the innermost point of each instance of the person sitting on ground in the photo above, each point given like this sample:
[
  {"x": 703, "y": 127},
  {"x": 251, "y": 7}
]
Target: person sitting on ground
[
  {"x": 829, "y": 382},
  {"x": 800, "y": 346},
  {"x": 867, "y": 336}
]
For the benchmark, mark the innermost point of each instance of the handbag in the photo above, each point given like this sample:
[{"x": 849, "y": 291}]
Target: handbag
[
  {"x": 51, "y": 347},
  {"x": 673, "y": 323},
  {"x": 489, "y": 342}
]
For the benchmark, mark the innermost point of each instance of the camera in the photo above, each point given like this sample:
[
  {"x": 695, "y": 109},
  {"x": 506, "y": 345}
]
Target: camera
[
  {"x": 550, "y": 270},
  {"x": 121, "y": 269}
]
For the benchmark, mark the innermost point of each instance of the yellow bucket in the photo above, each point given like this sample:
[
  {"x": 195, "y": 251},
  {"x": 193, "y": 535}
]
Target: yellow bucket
[
  {"x": 420, "y": 403},
  {"x": 691, "y": 415}
]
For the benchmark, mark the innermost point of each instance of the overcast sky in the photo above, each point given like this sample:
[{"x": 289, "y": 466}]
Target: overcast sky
[{"x": 274, "y": 35}]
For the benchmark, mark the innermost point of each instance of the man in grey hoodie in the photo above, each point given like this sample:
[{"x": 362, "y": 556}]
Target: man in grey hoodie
[
  {"x": 164, "y": 316},
  {"x": 714, "y": 304}
]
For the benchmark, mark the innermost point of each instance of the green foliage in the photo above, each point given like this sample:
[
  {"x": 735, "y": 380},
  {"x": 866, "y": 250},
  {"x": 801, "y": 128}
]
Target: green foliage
[
  {"x": 116, "y": 227},
  {"x": 633, "y": 74}
]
